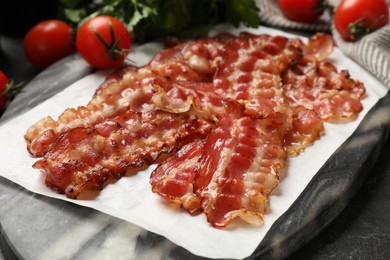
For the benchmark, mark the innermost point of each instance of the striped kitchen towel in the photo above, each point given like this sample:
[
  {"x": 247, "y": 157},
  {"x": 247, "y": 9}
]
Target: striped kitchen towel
[
  {"x": 372, "y": 51},
  {"x": 271, "y": 15}
]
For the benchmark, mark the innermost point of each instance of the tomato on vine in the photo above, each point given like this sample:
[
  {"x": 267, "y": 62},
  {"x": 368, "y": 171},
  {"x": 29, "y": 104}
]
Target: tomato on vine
[
  {"x": 3, "y": 87},
  {"x": 47, "y": 42},
  {"x": 355, "y": 18},
  {"x": 7, "y": 90},
  {"x": 103, "y": 41},
  {"x": 305, "y": 11}
]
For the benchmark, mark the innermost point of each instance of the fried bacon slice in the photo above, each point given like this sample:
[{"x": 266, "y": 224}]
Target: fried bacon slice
[
  {"x": 130, "y": 88},
  {"x": 174, "y": 178},
  {"x": 190, "y": 60},
  {"x": 320, "y": 87},
  {"x": 238, "y": 170},
  {"x": 230, "y": 175},
  {"x": 306, "y": 128},
  {"x": 249, "y": 72},
  {"x": 87, "y": 157},
  {"x": 316, "y": 92}
]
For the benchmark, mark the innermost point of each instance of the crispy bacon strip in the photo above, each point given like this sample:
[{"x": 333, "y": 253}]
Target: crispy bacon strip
[
  {"x": 306, "y": 128},
  {"x": 318, "y": 47},
  {"x": 180, "y": 95},
  {"x": 174, "y": 178},
  {"x": 129, "y": 88},
  {"x": 191, "y": 60},
  {"x": 238, "y": 171},
  {"x": 320, "y": 87},
  {"x": 85, "y": 157},
  {"x": 249, "y": 70},
  {"x": 229, "y": 176}
]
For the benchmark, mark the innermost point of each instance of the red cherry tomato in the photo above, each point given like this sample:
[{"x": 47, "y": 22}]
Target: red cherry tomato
[
  {"x": 3, "y": 86},
  {"x": 305, "y": 11},
  {"x": 47, "y": 42},
  {"x": 8, "y": 90},
  {"x": 355, "y": 18},
  {"x": 103, "y": 42}
]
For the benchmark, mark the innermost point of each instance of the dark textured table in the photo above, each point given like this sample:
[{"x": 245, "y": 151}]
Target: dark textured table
[{"x": 360, "y": 231}]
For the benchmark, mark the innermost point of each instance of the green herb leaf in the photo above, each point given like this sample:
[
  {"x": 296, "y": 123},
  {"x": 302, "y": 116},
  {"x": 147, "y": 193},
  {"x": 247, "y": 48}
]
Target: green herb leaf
[
  {"x": 244, "y": 11},
  {"x": 150, "y": 19},
  {"x": 75, "y": 15}
]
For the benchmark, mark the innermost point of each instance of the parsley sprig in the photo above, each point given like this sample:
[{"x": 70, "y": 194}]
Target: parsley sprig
[{"x": 151, "y": 19}]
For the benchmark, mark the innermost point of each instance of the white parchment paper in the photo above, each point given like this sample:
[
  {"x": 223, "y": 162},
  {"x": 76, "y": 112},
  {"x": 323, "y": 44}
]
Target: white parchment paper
[{"x": 131, "y": 198}]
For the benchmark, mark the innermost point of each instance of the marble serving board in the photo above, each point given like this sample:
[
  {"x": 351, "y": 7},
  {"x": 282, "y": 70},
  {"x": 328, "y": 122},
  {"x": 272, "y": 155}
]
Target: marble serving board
[{"x": 33, "y": 225}]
